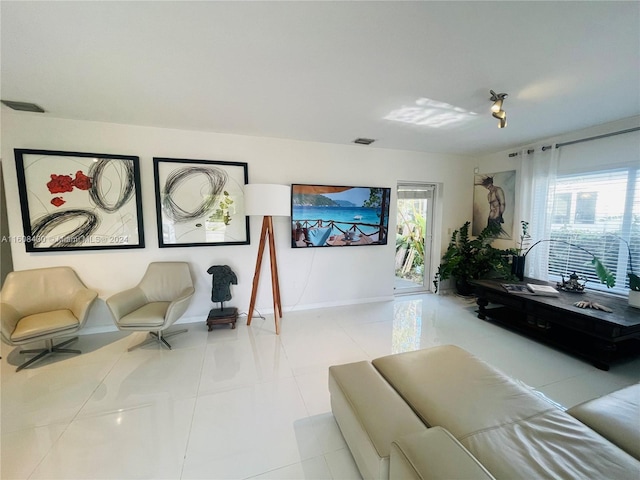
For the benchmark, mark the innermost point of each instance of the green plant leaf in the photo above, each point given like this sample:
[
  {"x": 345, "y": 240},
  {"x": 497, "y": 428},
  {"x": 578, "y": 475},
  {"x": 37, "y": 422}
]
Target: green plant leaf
[
  {"x": 467, "y": 259},
  {"x": 605, "y": 276}
]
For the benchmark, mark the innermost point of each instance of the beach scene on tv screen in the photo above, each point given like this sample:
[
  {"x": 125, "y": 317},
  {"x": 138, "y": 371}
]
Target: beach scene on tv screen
[{"x": 332, "y": 216}]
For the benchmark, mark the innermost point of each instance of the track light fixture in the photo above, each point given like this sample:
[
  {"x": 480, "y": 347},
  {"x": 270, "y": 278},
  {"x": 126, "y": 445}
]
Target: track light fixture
[
  {"x": 496, "y": 108},
  {"x": 502, "y": 116}
]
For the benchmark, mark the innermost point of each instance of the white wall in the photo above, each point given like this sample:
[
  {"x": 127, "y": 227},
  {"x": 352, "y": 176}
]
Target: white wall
[
  {"x": 309, "y": 277},
  {"x": 6, "y": 264}
]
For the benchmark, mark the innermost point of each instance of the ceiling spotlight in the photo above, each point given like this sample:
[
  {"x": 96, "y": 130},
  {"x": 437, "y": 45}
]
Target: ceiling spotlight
[
  {"x": 497, "y": 99},
  {"x": 496, "y": 108},
  {"x": 502, "y": 116}
]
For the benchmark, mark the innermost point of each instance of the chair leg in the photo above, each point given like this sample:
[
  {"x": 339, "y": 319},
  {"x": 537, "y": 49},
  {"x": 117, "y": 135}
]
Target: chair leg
[
  {"x": 150, "y": 338},
  {"x": 43, "y": 353},
  {"x": 51, "y": 348},
  {"x": 159, "y": 337},
  {"x": 174, "y": 332},
  {"x": 162, "y": 336},
  {"x": 58, "y": 348},
  {"x": 166, "y": 344}
]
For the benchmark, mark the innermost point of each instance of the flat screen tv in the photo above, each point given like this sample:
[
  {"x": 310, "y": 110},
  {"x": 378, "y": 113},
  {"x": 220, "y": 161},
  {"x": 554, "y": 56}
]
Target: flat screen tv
[{"x": 339, "y": 216}]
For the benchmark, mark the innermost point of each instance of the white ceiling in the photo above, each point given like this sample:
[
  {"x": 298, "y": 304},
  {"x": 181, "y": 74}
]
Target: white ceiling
[{"x": 328, "y": 71}]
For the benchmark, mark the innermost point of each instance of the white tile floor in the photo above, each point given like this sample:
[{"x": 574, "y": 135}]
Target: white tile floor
[{"x": 243, "y": 403}]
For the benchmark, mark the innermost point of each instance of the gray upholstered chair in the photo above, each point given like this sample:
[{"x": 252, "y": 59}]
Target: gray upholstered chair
[
  {"x": 43, "y": 304},
  {"x": 161, "y": 298}
]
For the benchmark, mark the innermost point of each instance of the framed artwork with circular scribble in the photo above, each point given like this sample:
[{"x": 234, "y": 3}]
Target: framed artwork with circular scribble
[
  {"x": 200, "y": 202},
  {"x": 79, "y": 201}
]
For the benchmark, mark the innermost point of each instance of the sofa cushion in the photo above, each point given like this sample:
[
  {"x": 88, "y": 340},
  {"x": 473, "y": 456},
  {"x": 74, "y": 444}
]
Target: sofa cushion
[
  {"x": 44, "y": 324},
  {"x": 511, "y": 430},
  {"x": 550, "y": 445},
  {"x": 370, "y": 415},
  {"x": 433, "y": 455},
  {"x": 615, "y": 416},
  {"x": 149, "y": 315},
  {"x": 448, "y": 386}
]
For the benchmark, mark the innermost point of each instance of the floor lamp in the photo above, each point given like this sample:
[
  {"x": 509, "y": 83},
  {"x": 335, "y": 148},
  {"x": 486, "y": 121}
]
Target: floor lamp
[{"x": 267, "y": 200}]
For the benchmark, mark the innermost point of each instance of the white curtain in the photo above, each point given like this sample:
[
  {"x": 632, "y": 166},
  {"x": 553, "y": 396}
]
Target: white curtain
[{"x": 538, "y": 172}]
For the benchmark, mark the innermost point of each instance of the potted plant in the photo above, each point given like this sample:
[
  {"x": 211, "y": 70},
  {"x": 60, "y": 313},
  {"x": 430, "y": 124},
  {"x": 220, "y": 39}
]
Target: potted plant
[
  {"x": 634, "y": 290},
  {"x": 519, "y": 256},
  {"x": 470, "y": 259},
  {"x": 634, "y": 280}
]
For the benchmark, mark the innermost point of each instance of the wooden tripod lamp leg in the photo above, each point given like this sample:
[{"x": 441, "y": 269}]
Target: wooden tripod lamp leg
[
  {"x": 275, "y": 283},
  {"x": 274, "y": 273},
  {"x": 256, "y": 274},
  {"x": 267, "y": 231}
]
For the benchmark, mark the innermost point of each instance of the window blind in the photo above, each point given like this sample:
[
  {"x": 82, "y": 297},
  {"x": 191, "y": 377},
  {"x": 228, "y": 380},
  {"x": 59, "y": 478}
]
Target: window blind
[
  {"x": 598, "y": 212},
  {"x": 410, "y": 192}
]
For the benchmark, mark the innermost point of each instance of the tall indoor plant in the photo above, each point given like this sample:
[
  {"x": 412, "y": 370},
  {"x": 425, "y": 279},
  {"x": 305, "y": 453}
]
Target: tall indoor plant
[{"x": 470, "y": 259}]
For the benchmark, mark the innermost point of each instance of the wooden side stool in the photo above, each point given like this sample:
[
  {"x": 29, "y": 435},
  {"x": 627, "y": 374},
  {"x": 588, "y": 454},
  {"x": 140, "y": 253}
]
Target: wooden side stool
[{"x": 220, "y": 316}]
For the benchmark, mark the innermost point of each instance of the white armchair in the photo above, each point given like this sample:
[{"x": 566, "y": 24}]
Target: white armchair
[
  {"x": 42, "y": 304},
  {"x": 156, "y": 303}
]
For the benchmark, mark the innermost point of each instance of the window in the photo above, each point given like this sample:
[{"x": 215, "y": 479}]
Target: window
[
  {"x": 562, "y": 208},
  {"x": 600, "y": 212},
  {"x": 586, "y": 207}
]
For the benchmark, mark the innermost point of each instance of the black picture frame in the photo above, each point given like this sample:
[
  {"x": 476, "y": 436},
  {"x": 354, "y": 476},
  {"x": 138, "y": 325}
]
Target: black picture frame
[
  {"x": 74, "y": 201},
  {"x": 339, "y": 216},
  {"x": 200, "y": 203}
]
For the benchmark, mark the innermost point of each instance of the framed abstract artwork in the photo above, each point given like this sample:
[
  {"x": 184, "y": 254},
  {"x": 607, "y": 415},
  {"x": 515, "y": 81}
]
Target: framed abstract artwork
[
  {"x": 494, "y": 196},
  {"x": 200, "y": 202},
  {"x": 79, "y": 201}
]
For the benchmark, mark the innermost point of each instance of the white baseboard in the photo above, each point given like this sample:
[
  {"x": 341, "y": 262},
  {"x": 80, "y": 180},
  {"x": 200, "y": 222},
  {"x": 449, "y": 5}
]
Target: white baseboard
[
  {"x": 112, "y": 328},
  {"x": 339, "y": 303},
  {"x": 196, "y": 319}
]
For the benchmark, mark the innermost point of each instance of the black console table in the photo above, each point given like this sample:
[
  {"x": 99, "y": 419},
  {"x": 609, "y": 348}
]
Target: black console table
[{"x": 601, "y": 337}]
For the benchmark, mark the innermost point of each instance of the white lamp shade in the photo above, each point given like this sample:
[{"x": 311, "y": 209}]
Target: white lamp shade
[{"x": 267, "y": 200}]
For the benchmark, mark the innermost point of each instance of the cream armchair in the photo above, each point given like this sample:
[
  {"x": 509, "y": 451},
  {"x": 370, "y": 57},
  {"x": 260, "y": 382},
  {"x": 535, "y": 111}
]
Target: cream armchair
[
  {"x": 43, "y": 304},
  {"x": 161, "y": 298}
]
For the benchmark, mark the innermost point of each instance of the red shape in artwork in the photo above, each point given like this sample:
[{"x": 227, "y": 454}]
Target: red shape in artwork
[
  {"x": 60, "y": 183},
  {"x": 82, "y": 181},
  {"x": 57, "y": 201}
]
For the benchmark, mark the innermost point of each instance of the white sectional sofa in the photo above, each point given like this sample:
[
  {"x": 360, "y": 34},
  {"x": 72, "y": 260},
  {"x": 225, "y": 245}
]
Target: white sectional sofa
[{"x": 443, "y": 413}]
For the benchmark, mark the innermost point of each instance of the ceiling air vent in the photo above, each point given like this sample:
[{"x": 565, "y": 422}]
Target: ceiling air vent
[
  {"x": 364, "y": 141},
  {"x": 23, "y": 106}
]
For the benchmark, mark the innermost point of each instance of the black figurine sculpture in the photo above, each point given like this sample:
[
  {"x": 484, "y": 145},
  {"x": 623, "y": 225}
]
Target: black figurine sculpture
[{"x": 222, "y": 279}]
